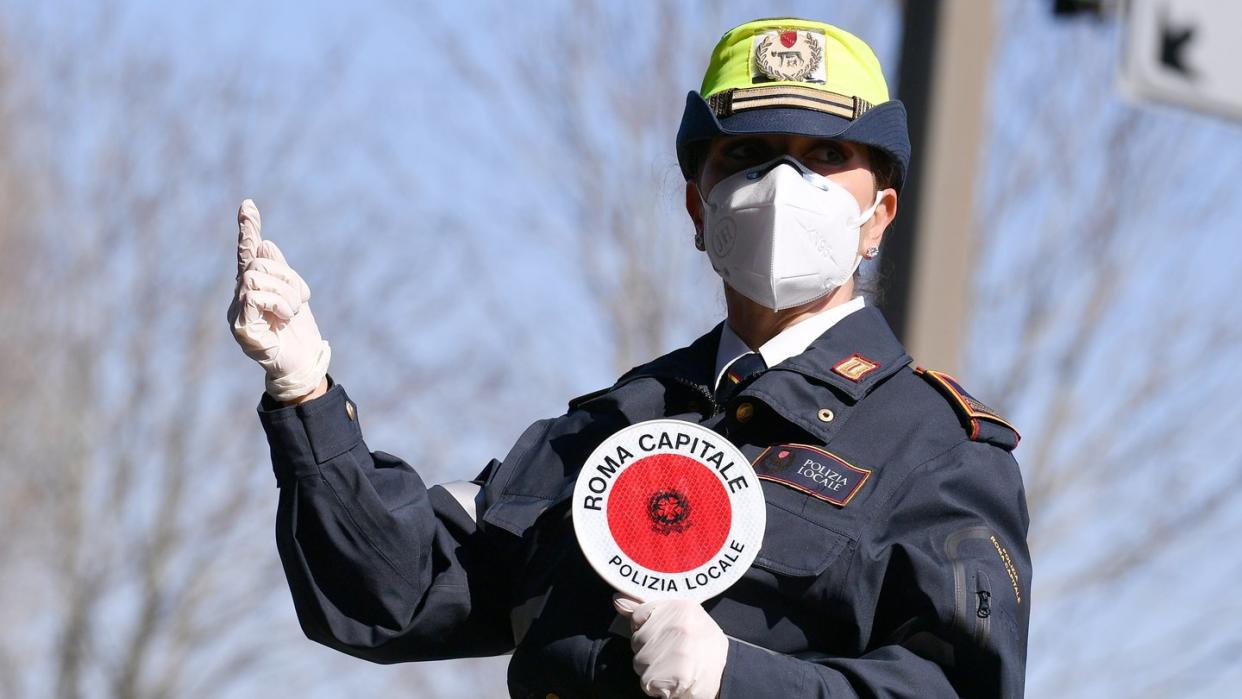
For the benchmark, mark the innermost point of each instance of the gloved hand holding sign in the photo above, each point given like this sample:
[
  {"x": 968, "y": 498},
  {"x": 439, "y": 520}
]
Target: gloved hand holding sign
[
  {"x": 270, "y": 317},
  {"x": 679, "y": 651}
]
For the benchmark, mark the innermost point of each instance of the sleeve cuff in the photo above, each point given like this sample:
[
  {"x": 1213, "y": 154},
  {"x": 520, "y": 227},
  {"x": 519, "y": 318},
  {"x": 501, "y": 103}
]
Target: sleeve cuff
[
  {"x": 749, "y": 673},
  {"x": 303, "y": 436}
]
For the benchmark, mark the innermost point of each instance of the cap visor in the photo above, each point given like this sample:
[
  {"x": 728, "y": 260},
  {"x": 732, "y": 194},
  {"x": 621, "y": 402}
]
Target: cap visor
[{"x": 883, "y": 126}]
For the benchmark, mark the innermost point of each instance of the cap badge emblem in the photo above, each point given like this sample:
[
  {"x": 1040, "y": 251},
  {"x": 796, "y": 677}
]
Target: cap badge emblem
[{"x": 789, "y": 55}]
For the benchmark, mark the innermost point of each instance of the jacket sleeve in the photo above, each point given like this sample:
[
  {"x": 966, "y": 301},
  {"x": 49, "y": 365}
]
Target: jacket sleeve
[
  {"x": 948, "y": 567},
  {"x": 379, "y": 565}
]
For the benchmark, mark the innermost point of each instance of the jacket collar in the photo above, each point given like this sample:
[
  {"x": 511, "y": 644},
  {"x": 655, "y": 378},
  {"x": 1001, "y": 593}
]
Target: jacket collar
[
  {"x": 851, "y": 358},
  {"x": 864, "y": 334},
  {"x": 843, "y": 356}
]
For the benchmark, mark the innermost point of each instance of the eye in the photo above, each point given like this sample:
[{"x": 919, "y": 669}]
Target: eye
[
  {"x": 826, "y": 154},
  {"x": 743, "y": 152}
]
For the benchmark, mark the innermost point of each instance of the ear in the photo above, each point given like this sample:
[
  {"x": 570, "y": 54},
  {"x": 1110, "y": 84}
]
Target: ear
[
  {"x": 885, "y": 212},
  {"x": 694, "y": 205}
]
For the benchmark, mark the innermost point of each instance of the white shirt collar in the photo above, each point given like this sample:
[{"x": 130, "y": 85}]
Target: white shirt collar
[{"x": 789, "y": 342}]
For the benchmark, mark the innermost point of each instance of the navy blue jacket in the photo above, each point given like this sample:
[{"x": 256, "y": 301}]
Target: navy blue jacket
[{"x": 912, "y": 579}]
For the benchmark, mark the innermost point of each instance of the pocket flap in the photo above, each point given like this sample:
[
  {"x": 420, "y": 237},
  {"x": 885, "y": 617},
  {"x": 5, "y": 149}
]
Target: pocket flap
[{"x": 794, "y": 545}]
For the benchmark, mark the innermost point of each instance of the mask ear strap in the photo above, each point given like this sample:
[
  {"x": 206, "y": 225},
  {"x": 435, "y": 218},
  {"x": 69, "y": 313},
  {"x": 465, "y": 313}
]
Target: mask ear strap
[
  {"x": 698, "y": 191},
  {"x": 863, "y": 218},
  {"x": 866, "y": 215}
]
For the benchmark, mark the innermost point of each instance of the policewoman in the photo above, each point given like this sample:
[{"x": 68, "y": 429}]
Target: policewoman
[{"x": 894, "y": 560}]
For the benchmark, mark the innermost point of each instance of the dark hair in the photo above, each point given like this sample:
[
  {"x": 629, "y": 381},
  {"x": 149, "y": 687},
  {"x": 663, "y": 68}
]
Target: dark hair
[
  {"x": 886, "y": 173},
  {"x": 698, "y": 156},
  {"x": 884, "y": 168}
]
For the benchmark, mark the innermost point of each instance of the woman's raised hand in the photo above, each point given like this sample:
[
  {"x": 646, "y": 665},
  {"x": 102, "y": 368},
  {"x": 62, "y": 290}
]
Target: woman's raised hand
[{"x": 270, "y": 315}]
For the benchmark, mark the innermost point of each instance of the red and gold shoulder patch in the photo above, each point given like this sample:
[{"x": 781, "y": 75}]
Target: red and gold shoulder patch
[
  {"x": 973, "y": 412},
  {"x": 855, "y": 367}
]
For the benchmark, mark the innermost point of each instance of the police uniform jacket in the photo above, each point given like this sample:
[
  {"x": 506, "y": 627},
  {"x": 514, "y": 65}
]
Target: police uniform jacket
[{"x": 912, "y": 580}]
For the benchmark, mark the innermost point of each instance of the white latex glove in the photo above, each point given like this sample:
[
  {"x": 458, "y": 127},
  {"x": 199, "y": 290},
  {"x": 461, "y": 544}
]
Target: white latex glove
[
  {"x": 679, "y": 651},
  {"x": 270, "y": 317}
]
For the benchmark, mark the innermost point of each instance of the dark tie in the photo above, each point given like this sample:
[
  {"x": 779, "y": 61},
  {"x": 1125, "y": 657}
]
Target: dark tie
[{"x": 739, "y": 373}]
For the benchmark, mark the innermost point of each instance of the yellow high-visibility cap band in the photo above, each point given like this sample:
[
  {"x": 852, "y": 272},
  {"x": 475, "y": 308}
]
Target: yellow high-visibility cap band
[
  {"x": 795, "y": 52},
  {"x": 797, "y": 77}
]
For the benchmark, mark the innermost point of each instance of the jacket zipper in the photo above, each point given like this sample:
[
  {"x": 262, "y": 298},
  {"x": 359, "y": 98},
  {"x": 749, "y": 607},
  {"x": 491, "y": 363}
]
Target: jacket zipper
[
  {"x": 983, "y": 608},
  {"x": 966, "y": 598}
]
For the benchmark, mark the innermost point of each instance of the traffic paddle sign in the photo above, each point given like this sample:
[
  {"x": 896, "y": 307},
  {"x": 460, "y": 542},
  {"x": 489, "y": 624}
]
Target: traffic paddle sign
[{"x": 668, "y": 509}]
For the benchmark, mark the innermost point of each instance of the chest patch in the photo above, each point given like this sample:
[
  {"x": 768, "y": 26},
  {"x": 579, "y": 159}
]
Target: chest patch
[{"x": 813, "y": 471}]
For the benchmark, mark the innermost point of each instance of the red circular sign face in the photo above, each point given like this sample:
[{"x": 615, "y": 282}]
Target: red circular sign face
[
  {"x": 669, "y": 513},
  {"x": 668, "y": 509}
]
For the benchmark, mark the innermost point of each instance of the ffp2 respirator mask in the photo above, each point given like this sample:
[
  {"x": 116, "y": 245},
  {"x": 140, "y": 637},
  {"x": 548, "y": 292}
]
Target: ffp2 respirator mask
[{"x": 782, "y": 235}]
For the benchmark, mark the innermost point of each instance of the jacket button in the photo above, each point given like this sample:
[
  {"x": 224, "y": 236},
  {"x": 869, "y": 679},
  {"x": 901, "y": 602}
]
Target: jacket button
[
  {"x": 744, "y": 412},
  {"x": 825, "y": 415},
  {"x": 349, "y": 410}
]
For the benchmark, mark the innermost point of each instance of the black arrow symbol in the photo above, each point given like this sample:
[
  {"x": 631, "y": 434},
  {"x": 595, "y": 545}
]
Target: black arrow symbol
[{"x": 1173, "y": 43}]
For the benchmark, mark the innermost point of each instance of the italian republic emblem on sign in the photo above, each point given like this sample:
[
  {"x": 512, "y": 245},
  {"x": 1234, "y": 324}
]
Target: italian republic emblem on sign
[
  {"x": 667, "y": 509},
  {"x": 789, "y": 55}
]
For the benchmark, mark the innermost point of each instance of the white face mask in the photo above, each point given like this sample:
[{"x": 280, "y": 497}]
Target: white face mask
[{"x": 782, "y": 235}]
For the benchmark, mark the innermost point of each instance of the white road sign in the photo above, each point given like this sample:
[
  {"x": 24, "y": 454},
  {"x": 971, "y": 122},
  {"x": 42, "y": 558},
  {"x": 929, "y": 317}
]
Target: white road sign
[{"x": 1185, "y": 52}]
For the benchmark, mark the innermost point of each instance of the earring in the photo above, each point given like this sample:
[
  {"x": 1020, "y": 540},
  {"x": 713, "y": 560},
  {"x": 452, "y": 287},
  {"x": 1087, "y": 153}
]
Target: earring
[
  {"x": 698, "y": 240},
  {"x": 871, "y": 252}
]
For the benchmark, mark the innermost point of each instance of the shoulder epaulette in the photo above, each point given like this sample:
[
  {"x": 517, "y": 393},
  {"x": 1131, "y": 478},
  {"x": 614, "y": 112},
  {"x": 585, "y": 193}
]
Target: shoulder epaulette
[
  {"x": 981, "y": 422},
  {"x": 575, "y": 403}
]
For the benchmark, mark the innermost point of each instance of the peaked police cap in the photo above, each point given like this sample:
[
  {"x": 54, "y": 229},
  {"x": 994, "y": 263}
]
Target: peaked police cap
[{"x": 794, "y": 76}]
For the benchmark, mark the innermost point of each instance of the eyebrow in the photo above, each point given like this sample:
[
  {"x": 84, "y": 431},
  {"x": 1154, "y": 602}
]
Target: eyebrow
[{"x": 743, "y": 141}]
